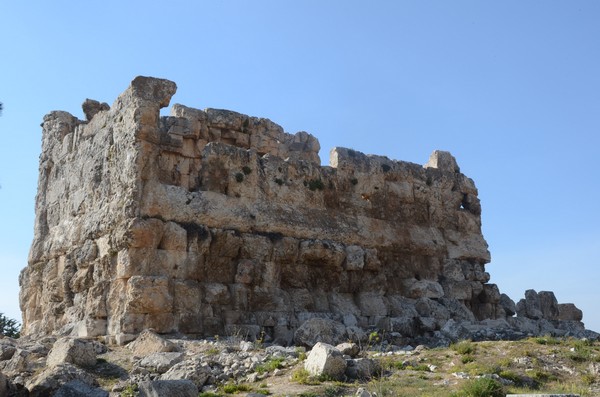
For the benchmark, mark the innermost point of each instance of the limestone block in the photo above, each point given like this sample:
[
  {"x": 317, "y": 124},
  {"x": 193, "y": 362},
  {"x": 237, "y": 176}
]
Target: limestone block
[
  {"x": 161, "y": 362},
  {"x": 362, "y": 368},
  {"x": 343, "y": 303},
  {"x": 401, "y": 306},
  {"x": 77, "y": 388},
  {"x": 174, "y": 237},
  {"x": 461, "y": 290},
  {"x": 430, "y": 308},
  {"x": 530, "y": 306},
  {"x": 216, "y": 293},
  {"x": 159, "y": 388},
  {"x": 320, "y": 330},
  {"x": 187, "y": 296},
  {"x": 348, "y": 349},
  {"x": 149, "y": 342},
  {"x": 372, "y": 262},
  {"x": 442, "y": 161},
  {"x": 322, "y": 253},
  {"x": 50, "y": 380},
  {"x": 75, "y": 351},
  {"x": 423, "y": 289},
  {"x": 193, "y": 370},
  {"x": 325, "y": 360},
  {"x": 509, "y": 306},
  {"x": 149, "y": 294},
  {"x": 246, "y": 270},
  {"x": 372, "y": 304},
  {"x": 569, "y": 312},
  {"x": 91, "y": 327},
  {"x": 355, "y": 258},
  {"x": 403, "y": 190},
  {"x": 548, "y": 305}
]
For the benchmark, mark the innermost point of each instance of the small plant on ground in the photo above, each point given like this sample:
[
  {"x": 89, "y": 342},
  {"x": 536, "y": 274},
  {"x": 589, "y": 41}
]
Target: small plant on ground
[
  {"x": 270, "y": 365},
  {"x": 239, "y": 177},
  {"x": 246, "y": 170},
  {"x": 130, "y": 391},
  {"x": 231, "y": 388},
  {"x": 279, "y": 181},
  {"x": 463, "y": 347},
  {"x": 209, "y": 394},
  {"x": 481, "y": 387},
  {"x": 303, "y": 377},
  {"x": 467, "y": 358}
]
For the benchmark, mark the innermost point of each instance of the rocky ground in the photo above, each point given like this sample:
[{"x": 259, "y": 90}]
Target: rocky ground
[{"x": 156, "y": 366}]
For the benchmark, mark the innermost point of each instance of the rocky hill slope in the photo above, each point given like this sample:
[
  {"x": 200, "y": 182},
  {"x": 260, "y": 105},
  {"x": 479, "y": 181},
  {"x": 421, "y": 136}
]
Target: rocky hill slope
[{"x": 157, "y": 366}]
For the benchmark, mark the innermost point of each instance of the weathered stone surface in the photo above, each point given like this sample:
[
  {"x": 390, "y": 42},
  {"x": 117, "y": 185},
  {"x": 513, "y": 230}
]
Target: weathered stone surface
[
  {"x": 91, "y": 107},
  {"x": 160, "y": 388},
  {"x": 569, "y": 312},
  {"x": 7, "y": 349},
  {"x": 72, "y": 350},
  {"x": 77, "y": 388},
  {"x": 326, "y": 360},
  {"x": 211, "y": 222},
  {"x": 320, "y": 330},
  {"x": 362, "y": 368},
  {"x": 161, "y": 362},
  {"x": 530, "y": 306},
  {"x": 148, "y": 342},
  {"x": 348, "y": 349},
  {"x": 4, "y": 385},
  {"x": 193, "y": 370},
  {"x": 52, "y": 378},
  {"x": 509, "y": 306}
]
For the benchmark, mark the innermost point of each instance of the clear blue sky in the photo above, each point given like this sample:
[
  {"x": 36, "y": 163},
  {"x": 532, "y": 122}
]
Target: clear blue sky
[{"x": 511, "y": 88}]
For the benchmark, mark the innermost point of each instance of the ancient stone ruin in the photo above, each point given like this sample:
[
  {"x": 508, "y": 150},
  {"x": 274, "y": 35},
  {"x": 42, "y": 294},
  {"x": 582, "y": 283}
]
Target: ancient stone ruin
[{"x": 210, "y": 222}]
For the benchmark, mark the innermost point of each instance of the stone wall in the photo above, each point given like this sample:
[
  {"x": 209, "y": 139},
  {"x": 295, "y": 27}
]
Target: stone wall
[{"x": 213, "y": 222}]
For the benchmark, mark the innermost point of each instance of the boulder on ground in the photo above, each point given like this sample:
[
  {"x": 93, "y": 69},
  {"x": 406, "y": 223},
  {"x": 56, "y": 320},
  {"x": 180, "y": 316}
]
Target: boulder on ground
[
  {"x": 149, "y": 342},
  {"x": 325, "y": 360},
  {"x": 52, "y": 378},
  {"x": 72, "y": 350},
  {"x": 77, "y": 388},
  {"x": 161, "y": 362},
  {"x": 192, "y": 369},
  {"x": 569, "y": 312},
  {"x": 362, "y": 368},
  {"x": 349, "y": 349},
  {"x": 160, "y": 388}
]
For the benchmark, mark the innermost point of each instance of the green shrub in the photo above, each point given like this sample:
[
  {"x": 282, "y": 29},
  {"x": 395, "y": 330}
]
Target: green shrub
[
  {"x": 303, "y": 377},
  {"x": 9, "y": 327},
  {"x": 270, "y": 365},
  {"x": 481, "y": 387},
  {"x": 467, "y": 358},
  {"x": 509, "y": 375},
  {"x": 246, "y": 170},
  {"x": 209, "y": 394},
  {"x": 130, "y": 391},
  {"x": 279, "y": 181},
  {"x": 239, "y": 177},
  {"x": 231, "y": 388},
  {"x": 463, "y": 347}
]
